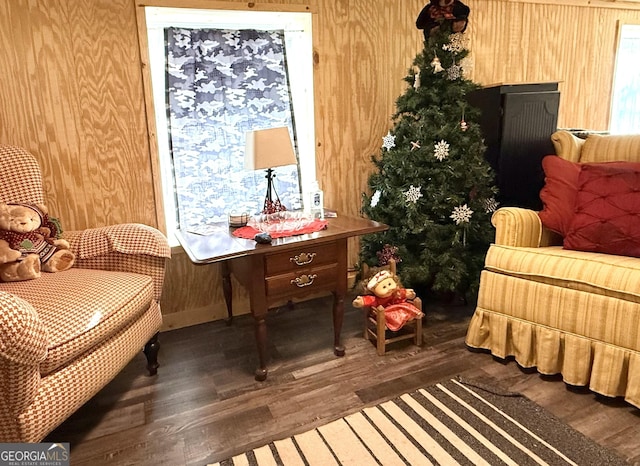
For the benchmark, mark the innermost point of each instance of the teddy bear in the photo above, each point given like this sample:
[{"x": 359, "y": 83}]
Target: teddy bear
[
  {"x": 437, "y": 12},
  {"x": 388, "y": 296},
  {"x": 30, "y": 243}
]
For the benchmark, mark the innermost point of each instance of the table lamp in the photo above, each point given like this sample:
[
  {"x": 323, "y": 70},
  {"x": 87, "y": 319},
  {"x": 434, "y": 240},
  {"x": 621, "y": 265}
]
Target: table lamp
[{"x": 268, "y": 148}]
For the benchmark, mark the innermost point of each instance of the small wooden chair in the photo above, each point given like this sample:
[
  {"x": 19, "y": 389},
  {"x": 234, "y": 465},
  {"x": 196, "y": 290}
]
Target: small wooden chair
[{"x": 375, "y": 328}]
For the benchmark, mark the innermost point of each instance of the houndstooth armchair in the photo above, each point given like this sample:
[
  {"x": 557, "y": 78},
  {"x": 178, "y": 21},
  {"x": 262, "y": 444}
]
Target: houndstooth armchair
[{"x": 65, "y": 335}]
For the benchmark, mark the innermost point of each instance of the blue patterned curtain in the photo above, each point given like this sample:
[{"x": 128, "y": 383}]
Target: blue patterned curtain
[{"x": 220, "y": 84}]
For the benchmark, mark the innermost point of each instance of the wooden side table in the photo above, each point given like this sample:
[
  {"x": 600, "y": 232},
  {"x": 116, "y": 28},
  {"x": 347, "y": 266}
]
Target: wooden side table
[{"x": 293, "y": 267}]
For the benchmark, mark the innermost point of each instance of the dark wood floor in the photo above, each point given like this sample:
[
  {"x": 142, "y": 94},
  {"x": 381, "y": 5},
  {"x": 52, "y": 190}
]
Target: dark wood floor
[{"x": 204, "y": 404}]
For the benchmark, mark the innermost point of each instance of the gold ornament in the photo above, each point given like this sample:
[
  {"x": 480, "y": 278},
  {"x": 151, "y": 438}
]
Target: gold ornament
[{"x": 463, "y": 125}]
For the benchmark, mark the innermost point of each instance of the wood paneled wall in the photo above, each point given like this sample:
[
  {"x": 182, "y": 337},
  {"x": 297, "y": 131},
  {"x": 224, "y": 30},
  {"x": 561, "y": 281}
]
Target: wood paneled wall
[{"x": 72, "y": 92}]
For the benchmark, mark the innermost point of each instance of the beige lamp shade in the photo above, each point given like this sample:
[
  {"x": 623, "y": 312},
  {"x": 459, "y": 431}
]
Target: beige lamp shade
[{"x": 268, "y": 148}]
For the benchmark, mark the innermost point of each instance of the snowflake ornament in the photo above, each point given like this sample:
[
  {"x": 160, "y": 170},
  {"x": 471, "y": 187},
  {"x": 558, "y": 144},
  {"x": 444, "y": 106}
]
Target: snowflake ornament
[
  {"x": 467, "y": 65},
  {"x": 375, "y": 198},
  {"x": 441, "y": 150},
  {"x": 461, "y": 214},
  {"x": 457, "y": 43},
  {"x": 413, "y": 194},
  {"x": 389, "y": 141},
  {"x": 454, "y": 72},
  {"x": 490, "y": 205}
]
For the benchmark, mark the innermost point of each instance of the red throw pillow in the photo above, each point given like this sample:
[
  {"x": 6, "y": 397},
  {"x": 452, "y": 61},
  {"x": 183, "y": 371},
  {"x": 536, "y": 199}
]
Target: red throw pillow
[
  {"x": 607, "y": 210},
  {"x": 558, "y": 193}
]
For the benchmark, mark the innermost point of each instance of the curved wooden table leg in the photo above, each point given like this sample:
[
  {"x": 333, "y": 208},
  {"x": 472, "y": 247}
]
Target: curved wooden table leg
[
  {"x": 259, "y": 309},
  {"x": 261, "y": 342},
  {"x": 338, "y": 318},
  {"x": 227, "y": 291}
]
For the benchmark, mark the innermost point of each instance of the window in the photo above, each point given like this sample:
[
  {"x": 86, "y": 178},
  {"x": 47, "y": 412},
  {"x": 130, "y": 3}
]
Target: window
[
  {"x": 625, "y": 108},
  {"x": 297, "y": 38}
]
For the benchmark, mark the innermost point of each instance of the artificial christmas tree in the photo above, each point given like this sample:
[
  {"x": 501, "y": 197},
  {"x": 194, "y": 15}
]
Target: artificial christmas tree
[{"x": 432, "y": 184}]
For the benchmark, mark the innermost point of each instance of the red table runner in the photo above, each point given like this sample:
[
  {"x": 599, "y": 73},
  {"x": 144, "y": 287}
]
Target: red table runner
[{"x": 282, "y": 229}]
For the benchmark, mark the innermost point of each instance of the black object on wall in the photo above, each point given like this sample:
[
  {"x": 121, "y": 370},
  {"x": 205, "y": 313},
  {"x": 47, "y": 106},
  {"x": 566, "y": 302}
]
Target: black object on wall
[{"x": 518, "y": 121}]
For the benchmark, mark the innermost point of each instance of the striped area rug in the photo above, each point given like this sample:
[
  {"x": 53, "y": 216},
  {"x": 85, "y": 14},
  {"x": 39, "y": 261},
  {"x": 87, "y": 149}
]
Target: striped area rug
[{"x": 456, "y": 422}]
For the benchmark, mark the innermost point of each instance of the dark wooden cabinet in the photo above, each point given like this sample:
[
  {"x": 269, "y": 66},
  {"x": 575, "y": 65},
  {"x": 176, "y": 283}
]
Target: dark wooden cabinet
[{"x": 518, "y": 121}]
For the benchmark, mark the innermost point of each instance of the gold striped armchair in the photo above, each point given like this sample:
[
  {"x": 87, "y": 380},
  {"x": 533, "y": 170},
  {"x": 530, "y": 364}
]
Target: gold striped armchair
[
  {"x": 559, "y": 310},
  {"x": 65, "y": 335}
]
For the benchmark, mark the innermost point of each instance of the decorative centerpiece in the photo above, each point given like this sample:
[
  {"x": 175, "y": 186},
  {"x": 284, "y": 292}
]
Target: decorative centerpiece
[{"x": 281, "y": 224}]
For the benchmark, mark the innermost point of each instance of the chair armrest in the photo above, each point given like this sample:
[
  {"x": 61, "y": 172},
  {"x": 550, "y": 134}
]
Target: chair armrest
[
  {"x": 128, "y": 247},
  {"x": 567, "y": 145},
  {"x": 23, "y": 346},
  {"x": 417, "y": 302},
  {"x": 523, "y": 228},
  {"x": 516, "y": 226},
  {"x": 126, "y": 238},
  {"x": 23, "y": 336}
]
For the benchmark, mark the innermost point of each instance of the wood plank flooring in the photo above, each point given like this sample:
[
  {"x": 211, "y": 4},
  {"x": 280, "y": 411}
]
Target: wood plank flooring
[{"x": 204, "y": 404}]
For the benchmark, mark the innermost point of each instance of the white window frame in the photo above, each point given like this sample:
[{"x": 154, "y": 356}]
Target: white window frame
[
  {"x": 299, "y": 48},
  {"x": 627, "y": 73}
]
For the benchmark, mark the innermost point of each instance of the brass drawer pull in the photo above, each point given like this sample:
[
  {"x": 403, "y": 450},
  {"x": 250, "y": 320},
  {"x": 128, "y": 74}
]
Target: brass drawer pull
[
  {"x": 303, "y": 259},
  {"x": 304, "y": 280}
]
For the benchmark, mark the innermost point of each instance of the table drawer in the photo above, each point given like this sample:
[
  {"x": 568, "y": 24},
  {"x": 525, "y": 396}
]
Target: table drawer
[
  {"x": 307, "y": 280},
  {"x": 303, "y": 257}
]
